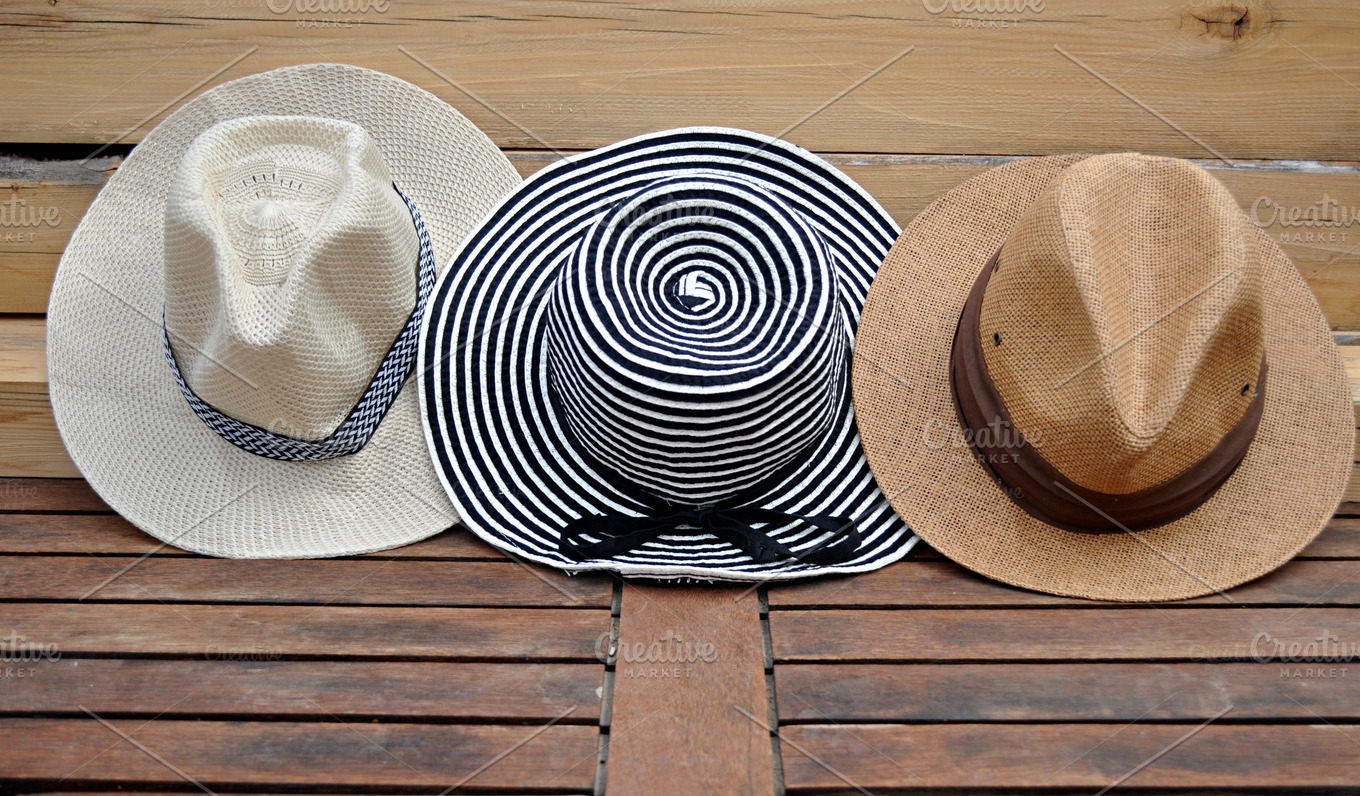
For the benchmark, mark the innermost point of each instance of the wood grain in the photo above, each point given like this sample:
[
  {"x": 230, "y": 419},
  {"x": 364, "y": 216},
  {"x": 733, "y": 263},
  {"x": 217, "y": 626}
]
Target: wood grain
[
  {"x": 256, "y": 686},
  {"x": 318, "y": 582},
  {"x": 1002, "y": 692},
  {"x": 903, "y": 758},
  {"x": 206, "y": 631},
  {"x": 1051, "y": 634},
  {"x": 1268, "y": 80},
  {"x": 688, "y": 658},
  {"x": 332, "y": 754},
  {"x": 48, "y": 494},
  {"x": 1350, "y": 358},
  {"x": 29, "y": 254},
  {"x": 945, "y": 584},
  {"x": 1270, "y": 193},
  {"x": 38, "y": 217},
  {"x": 31, "y": 446},
  {"x": 106, "y": 534},
  {"x": 1326, "y": 253},
  {"x": 40, "y": 204},
  {"x": 1276, "y": 199}
]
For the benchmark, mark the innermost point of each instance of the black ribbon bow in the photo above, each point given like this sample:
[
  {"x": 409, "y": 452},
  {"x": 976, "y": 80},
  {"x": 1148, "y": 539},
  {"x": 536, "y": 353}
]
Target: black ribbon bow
[{"x": 620, "y": 533}]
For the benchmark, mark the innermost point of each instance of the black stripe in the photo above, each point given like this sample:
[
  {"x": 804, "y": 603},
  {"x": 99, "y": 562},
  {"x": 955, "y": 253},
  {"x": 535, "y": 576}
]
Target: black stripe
[{"x": 528, "y": 456}]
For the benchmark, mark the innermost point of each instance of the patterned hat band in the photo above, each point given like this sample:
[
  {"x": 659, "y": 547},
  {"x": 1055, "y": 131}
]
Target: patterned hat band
[
  {"x": 696, "y": 339},
  {"x": 362, "y": 421}
]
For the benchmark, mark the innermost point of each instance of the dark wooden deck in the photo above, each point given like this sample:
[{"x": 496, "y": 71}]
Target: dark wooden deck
[{"x": 446, "y": 666}]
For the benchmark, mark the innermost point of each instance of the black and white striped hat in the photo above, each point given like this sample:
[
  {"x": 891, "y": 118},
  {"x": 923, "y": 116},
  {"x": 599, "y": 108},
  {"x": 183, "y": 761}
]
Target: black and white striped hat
[{"x": 640, "y": 362}]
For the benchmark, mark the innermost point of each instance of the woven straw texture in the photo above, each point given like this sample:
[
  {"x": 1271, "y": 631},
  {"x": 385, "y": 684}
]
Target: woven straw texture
[
  {"x": 1163, "y": 275},
  {"x": 269, "y": 225},
  {"x": 120, "y": 412},
  {"x": 1134, "y": 416}
]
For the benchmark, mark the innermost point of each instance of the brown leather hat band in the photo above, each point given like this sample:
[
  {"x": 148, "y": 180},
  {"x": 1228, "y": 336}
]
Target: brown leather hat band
[{"x": 1038, "y": 487}]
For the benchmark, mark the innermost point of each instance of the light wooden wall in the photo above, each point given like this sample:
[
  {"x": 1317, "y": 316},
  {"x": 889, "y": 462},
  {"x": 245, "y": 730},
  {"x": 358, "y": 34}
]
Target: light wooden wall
[{"x": 907, "y": 101}]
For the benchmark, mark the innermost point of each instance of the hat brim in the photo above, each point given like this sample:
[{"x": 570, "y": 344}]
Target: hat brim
[
  {"x": 1274, "y": 504},
  {"x": 499, "y": 447},
  {"x": 118, "y": 408}
]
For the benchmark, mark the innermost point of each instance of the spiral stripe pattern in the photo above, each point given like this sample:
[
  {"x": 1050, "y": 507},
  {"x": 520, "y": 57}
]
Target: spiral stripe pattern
[
  {"x": 695, "y": 342},
  {"x": 670, "y": 316}
]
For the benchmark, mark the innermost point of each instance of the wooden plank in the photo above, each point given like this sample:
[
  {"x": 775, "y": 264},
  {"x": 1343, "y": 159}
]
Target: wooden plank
[
  {"x": 31, "y": 446},
  {"x": 315, "y": 754},
  {"x": 248, "y": 685},
  {"x": 29, "y": 442},
  {"x": 28, "y": 258},
  {"x": 826, "y": 693},
  {"x": 323, "y": 631},
  {"x": 23, "y": 354},
  {"x": 688, "y": 659},
  {"x": 1265, "y": 81},
  {"x": 40, "y": 203},
  {"x": 112, "y": 535},
  {"x": 1341, "y": 539},
  {"x": 945, "y": 584},
  {"x": 1327, "y": 253},
  {"x": 48, "y": 494},
  {"x": 317, "y": 582},
  {"x": 904, "y": 758},
  {"x": 1277, "y": 197},
  {"x": 1053, "y": 634},
  {"x": 1350, "y": 357}
]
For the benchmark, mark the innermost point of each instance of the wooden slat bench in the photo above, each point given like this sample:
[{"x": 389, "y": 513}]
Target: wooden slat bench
[{"x": 446, "y": 666}]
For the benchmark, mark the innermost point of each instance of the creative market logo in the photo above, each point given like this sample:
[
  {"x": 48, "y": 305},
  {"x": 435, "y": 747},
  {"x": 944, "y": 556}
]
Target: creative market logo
[
  {"x": 328, "y": 6},
  {"x": 20, "y": 222},
  {"x": 1324, "y": 221},
  {"x": 313, "y": 13},
  {"x": 984, "y": 14},
  {"x": 670, "y": 656}
]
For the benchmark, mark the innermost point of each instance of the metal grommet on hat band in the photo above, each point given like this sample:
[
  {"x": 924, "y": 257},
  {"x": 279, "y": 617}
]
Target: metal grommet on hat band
[
  {"x": 1042, "y": 490},
  {"x": 362, "y": 421}
]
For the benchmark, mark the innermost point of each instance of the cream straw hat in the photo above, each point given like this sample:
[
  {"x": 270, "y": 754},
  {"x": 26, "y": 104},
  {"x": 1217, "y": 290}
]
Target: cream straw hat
[
  {"x": 1092, "y": 376},
  {"x": 234, "y": 323}
]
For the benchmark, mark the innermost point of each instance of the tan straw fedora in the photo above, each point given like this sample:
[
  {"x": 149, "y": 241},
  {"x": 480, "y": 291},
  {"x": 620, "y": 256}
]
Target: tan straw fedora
[
  {"x": 1093, "y": 376},
  {"x": 234, "y": 326}
]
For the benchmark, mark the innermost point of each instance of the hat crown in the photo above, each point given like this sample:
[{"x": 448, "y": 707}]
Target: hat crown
[
  {"x": 696, "y": 339},
  {"x": 290, "y": 267},
  {"x": 1123, "y": 324}
]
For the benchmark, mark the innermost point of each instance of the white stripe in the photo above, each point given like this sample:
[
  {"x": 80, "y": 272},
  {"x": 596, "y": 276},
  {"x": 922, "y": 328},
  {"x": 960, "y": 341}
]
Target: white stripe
[{"x": 545, "y": 487}]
